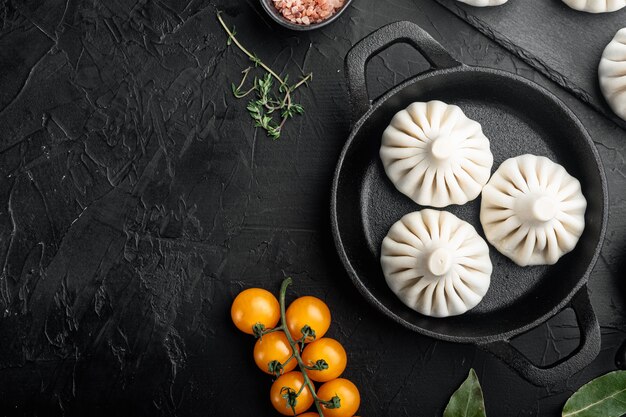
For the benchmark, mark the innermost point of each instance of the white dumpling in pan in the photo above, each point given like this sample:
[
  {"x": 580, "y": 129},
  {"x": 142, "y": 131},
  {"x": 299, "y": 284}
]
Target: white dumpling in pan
[
  {"x": 483, "y": 3},
  {"x": 612, "y": 73},
  {"x": 596, "y": 6},
  {"x": 532, "y": 210},
  {"x": 433, "y": 153},
  {"x": 436, "y": 263}
]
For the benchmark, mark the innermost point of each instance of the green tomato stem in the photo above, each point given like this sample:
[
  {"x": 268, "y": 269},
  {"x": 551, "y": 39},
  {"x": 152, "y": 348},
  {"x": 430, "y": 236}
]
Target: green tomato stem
[
  {"x": 295, "y": 348},
  {"x": 288, "y": 360},
  {"x": 268, "y": 331}
]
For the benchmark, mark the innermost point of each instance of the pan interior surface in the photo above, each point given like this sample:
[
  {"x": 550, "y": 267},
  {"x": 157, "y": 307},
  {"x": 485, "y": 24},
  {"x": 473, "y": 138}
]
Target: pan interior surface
[{"x": 518, "y": 118}]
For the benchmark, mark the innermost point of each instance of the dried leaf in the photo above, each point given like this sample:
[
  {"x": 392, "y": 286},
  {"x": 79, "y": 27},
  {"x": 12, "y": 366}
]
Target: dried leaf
[
  {"x": 467, "y": 401},
  {"x": 604, "y": 396}
]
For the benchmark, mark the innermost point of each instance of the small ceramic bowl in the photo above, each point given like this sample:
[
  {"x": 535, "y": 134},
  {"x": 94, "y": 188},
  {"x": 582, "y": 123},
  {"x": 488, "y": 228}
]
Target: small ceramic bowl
[{"x": 268, "y": 6}]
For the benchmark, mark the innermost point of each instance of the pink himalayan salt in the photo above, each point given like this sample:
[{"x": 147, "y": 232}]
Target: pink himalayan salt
[{"x": 306, "y": 12}]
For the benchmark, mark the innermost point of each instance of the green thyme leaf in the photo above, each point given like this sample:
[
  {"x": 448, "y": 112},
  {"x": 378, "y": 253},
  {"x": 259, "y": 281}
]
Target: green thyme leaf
[
  {"x": 256, "y": 60},
  {"x": 296, "y": 109},
  {"x": 233, "y": 32},
  {"x": 274, "y": 133}
]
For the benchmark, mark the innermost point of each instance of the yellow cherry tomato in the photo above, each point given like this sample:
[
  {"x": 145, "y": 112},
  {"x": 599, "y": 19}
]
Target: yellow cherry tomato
[
  {"x": 309, "y": 311},
  {"x": 273, "y": 346},
  {"x": 348, "y": 396},
  {"x": 294, "y": 381},
  {"x": 332, "y": 352},
  {"x": 252, "y": 306}
]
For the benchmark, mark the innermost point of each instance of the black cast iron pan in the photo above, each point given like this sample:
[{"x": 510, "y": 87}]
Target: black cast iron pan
[{"x": 518, "y": 117}]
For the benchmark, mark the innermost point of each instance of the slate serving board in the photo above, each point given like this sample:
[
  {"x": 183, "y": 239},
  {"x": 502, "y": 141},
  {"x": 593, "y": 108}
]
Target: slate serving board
[{"x": 519, "y": 23}]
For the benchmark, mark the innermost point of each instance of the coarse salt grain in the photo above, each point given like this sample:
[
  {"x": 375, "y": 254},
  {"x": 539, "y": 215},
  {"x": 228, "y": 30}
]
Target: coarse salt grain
[{"x": 306, "y": 12}]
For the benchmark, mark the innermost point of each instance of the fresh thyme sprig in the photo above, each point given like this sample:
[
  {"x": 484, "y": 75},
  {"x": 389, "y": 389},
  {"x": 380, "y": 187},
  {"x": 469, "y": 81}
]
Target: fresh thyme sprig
[{"x": 269, "y": 109}]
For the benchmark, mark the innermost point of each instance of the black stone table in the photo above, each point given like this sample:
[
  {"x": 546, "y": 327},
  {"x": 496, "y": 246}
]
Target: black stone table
[{"x": 136, "y": 200}]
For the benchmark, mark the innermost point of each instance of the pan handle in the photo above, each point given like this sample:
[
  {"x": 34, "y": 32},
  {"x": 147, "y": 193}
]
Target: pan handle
[
  {"x": 584, "y": 354},
  {"x": 398, "y": 32}
]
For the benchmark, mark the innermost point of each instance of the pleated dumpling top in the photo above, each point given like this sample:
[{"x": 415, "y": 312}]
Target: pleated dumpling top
[
  {"x": 533, "y": 210},
  {"x": 433, "y": 153},
  {"x": 436, "y": 263}
]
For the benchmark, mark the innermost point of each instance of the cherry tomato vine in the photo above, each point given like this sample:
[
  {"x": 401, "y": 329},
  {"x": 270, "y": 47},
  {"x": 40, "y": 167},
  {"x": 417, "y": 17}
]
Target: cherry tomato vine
[{"x": 297, "y": 392}]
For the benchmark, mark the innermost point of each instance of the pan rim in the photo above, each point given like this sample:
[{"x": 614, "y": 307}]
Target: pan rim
[{"x": 364, "y": 290}]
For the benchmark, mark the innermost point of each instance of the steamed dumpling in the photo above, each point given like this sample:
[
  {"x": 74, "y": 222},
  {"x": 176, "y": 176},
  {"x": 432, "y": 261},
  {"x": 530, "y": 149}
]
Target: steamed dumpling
[
  {"x": 612, "y": 73},
  {"x": 436, "y": 155},
  {"x": 483, "y": 3},
  {"x": 436, "y": 263},
  {"x": 596, "y": 6},
  {"x": 532, "y": 210}
]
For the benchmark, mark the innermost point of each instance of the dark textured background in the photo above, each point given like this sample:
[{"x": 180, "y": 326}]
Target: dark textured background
[{"x": 136, "y": 200}]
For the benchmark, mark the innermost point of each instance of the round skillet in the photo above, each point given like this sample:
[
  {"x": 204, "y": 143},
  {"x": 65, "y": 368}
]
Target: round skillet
[{"x": 518, "y": 117}]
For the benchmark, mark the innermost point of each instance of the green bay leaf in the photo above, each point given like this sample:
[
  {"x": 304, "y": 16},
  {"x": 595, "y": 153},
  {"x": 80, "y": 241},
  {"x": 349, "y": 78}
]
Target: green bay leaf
[
  {"x": 467, "y": 401},
  {"x": 605, "y": 396}
]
